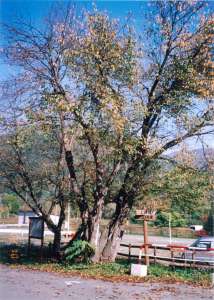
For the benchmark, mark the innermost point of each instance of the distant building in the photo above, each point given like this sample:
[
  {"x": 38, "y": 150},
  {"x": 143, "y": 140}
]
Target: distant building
[{"x": 24, "y": 214}]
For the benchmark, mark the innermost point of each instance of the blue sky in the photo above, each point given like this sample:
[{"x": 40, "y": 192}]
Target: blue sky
[{"x": 37, "y": 9}]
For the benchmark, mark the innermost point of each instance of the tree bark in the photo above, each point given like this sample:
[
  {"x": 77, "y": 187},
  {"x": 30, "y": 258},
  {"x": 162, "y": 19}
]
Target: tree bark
[
  {"x": 94, "y": 226},
  {"x": 124, "y": 202},
  {"x": 56, "y": 229},
  {"x": 56, "y": 243},
  {"x": 111, "y": 246}
]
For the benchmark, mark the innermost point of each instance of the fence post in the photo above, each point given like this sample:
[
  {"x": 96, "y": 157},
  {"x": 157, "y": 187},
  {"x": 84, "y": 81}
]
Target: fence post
[
  {"x": 185, "y": 262},
  {"x": 129, "y": 253},
  {"x": 193, "y": 258},
  {"x": 172, "y": 257},
  {"x": 140, "y": 255},
  {"x": 155, "y": 253}
]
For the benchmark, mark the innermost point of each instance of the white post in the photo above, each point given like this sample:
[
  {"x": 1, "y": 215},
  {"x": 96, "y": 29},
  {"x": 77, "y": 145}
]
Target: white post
[
  {"x": 97, "y": 234},
  {"x": 170, "y": 230},
  {"x": 140, "y": 255}
]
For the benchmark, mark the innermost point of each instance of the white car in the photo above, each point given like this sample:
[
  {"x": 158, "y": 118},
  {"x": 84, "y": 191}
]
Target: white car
[
  {"x": 202, "y": 250},
  {"x": 196, "y": 227}
]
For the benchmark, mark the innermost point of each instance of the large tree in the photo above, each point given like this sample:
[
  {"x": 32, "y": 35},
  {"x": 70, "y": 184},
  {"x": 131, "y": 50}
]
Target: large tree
[{"x": 123, "y": 101}]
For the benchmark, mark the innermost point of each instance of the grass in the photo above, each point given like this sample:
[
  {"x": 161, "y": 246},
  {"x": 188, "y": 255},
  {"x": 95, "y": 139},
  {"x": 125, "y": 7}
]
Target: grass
[{"x": 117, "y": 271}]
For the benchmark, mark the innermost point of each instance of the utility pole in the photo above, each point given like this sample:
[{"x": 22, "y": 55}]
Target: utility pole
[{"x": 170, "y": 229}]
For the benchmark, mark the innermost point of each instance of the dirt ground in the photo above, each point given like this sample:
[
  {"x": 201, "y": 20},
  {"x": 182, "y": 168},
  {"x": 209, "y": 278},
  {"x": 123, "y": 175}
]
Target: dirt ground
[{"x": 18, "y": 284}]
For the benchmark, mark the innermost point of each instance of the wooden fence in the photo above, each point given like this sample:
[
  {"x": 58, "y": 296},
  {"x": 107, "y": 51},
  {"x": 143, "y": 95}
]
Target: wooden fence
[{"x": 173, "y": 254}]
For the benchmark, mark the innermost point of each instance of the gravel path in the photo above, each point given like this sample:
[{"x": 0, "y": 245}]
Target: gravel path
[{"x": 18, "y": 284}]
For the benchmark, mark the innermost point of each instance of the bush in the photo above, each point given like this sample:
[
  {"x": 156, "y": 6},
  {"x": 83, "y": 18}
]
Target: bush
[
  {"x": 80, "y": 250},
  {"x": 4, "y": 213},
  {"x": 176, "y": 219},
  {"x": 11, "y": 202}
]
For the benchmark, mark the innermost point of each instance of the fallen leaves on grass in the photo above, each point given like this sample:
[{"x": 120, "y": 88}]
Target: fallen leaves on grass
[{"x": 114, "y": 272}]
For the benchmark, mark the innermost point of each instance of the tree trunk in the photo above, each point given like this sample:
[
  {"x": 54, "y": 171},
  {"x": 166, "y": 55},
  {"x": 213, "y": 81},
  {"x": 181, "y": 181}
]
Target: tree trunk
[
  {"x": 56, "y": 243},
  {"x": 94, "y": 228},
  {"x": 57, "y": 232},
  {"x": 95, "y": 238},
  {"x": 124, "y": 202},
  {"x": 112, "y": 243}
]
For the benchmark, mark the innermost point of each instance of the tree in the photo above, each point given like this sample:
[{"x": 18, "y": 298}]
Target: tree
[
  {"x": 180, "y": 185},
  {"x": 31, "y": 166},
  {"x": 209, "y": 166},
  {"x": 209, "y": 225},
  {"x": 182, "y": 190},
  {"x": 176, "y": 219},
  {"x": 122, "y": 107},
  {"x": 11, "y": 202}
]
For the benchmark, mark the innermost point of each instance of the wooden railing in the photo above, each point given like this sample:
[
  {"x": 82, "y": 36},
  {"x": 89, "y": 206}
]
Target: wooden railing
[{"x": 175, "y": 254}]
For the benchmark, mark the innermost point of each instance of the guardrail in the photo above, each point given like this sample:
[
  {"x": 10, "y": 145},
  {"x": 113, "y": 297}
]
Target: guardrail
[{"x": 175, "y": 254}]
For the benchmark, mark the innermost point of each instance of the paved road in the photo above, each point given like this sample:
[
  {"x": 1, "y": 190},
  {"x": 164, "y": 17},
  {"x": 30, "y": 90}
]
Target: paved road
[
  {"x": 138, "y": 240},
  {"x": 22, "y": 232},
  {"x": 158, "y": 240},
  {"x": 33, "y": 285},
  {"x": 18, "y": 234}
]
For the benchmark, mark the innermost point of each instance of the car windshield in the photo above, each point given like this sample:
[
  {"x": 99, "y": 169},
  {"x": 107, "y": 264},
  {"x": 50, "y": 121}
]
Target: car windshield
[
  {"x": 201, "y": 244},
  {"x": 195, "y": 243}
]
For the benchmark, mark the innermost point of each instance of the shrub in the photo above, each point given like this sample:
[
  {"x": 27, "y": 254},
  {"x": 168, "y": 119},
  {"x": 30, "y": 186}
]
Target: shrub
[
  {"x": 11, "y": 202},
  {"x": 81, "y": 250},
  {"x": 176, "y": 219}
]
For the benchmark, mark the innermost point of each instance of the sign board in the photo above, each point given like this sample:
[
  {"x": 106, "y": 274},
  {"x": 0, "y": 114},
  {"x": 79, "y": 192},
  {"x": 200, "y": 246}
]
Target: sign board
[
  {"x": 145, "y": 215},
  {"x": 36, "y": 228}
]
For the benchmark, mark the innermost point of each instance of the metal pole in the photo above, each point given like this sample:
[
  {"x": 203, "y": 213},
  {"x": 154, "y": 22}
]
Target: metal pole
[
  {"x": 145, "y": 233},
  {"x": 41, "y": 248},
  {"x": 170, "y": 230},
  {"x": 28, "y": 245}
]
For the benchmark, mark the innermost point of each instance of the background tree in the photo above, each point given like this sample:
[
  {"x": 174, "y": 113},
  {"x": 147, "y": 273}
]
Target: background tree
[
  {"x": 11, "y": 202},
  {"x": 209, "y": 225},
  {"x": 186, "y": 193},
  {"x": 178, "y": 184},
  {"x": 32, "y": 167},
  {"x": 209, "y": 166}
]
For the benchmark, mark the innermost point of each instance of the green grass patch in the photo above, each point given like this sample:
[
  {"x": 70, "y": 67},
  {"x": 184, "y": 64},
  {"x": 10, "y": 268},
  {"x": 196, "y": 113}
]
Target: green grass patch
[
  {"x": 118, "y": 268},
  {"x": 191, "y": 275}
]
